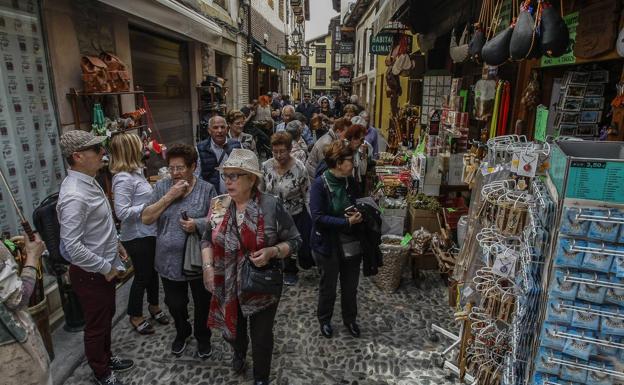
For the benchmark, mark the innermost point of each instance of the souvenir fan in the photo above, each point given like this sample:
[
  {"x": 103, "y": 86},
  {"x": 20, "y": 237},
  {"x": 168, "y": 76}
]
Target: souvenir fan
[
  {"x": 524, "y": 42},
  {"x": 459, "y": 50},
  {"x": 554, "y": 31}
]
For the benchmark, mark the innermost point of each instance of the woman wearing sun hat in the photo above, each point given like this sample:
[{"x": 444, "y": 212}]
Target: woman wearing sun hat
[{"x": 267, "y": 233}]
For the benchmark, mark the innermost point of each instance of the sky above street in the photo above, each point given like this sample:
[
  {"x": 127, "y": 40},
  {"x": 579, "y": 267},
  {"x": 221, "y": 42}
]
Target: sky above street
[{"x": 321, "y": 12}]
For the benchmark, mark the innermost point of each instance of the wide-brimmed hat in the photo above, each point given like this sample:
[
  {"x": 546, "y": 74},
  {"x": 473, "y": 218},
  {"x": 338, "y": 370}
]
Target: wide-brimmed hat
[
  {"x": 78, "y": 140},
  {"x": 243, "y": 159}
]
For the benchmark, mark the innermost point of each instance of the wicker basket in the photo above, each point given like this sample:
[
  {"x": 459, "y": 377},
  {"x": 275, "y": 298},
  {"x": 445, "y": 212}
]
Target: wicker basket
[{"x": 388, "y": 278}]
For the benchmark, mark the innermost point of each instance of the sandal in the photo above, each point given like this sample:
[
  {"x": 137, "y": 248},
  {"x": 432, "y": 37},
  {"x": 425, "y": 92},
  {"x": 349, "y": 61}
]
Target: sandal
[
  {"x": 143, "y": 328},
  {"x": 160, "y": 317}
]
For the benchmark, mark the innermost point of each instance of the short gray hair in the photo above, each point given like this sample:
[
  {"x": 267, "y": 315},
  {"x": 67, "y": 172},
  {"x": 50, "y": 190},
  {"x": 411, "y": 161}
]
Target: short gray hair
[
  {"x": 211, "y": 121},
  {"x": 288, "y": 107},
  {"x": 365, "y": 114},
  {"x": 294, "y": 128}
]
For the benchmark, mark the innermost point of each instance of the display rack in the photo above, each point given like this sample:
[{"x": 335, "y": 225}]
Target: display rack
[{"x": 89, "y": 98}]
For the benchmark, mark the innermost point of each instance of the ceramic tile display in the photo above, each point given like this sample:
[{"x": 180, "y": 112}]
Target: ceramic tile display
[
  {"x": 29, "y": 139},
  {"x": 434, "y": 90}
]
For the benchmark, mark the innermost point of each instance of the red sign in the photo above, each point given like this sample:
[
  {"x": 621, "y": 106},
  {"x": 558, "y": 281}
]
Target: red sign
[{"x": 345, "y": 72}]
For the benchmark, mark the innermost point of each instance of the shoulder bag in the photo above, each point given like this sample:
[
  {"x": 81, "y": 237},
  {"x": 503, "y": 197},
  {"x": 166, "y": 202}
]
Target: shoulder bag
[{"x": 263, "y": 280}]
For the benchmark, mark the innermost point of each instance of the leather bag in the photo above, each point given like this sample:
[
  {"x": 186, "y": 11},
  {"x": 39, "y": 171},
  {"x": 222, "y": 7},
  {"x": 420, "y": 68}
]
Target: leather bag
[
  {"x": 554, "y": 32},
  {"x": 476, "y": 44},
  {"x": 524, "y": 40},
  {"x": 192, "y": 262},
  {"x": 350, "y": 245},
  {"x": 459, "y": 49},
  {"x": 496, "y": 51},
  {"x": 94, "y": 75},
  {"x": 47, "y": 225},
  {"x": 597, "y": 29},
  {"x": 263, "y": 280},
  {"x": 116, "y": 72}
]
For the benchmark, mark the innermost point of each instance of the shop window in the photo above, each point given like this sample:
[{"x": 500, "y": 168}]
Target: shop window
[
  {"x": 321, "y": 54},
  {"x": 320, "y": 76}
]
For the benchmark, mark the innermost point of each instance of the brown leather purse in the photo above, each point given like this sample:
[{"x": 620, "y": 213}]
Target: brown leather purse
[
  {"x": 116, "y": 72},
  {"x": 94, "y": 75}
]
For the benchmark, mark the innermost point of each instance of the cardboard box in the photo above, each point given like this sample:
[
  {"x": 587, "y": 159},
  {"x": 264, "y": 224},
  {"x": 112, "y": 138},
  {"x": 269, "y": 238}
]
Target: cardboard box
[{"x": 423, "y": 218}]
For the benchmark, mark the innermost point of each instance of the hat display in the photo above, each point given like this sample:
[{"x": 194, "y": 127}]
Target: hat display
[
  {"x": 243, "y": 159},
  {"x": 78, "y": 140}
]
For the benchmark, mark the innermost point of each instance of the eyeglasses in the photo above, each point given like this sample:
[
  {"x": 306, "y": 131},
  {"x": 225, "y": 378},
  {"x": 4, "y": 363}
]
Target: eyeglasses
[
  {"x": 177, "y": 168},
  {"x": 232, "y": 176}
]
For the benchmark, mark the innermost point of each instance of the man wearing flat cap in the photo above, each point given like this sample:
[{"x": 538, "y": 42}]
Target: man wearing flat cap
[{"x": 89, "y": 242}]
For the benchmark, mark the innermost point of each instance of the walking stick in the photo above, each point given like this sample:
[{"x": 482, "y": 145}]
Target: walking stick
[{"x": 23, "y": 221}]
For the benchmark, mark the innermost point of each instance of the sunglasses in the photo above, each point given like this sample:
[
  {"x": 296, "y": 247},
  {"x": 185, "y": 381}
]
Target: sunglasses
[
  {"x": 95, "y": 148},
  {"x": 232, "y": 176}
]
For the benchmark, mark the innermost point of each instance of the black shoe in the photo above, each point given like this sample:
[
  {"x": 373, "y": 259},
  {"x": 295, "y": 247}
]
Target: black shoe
[
  {"x": 238, "y": 363},
  {"x": 118, "y": 364},
  {"x": 327, "y": 330},
  {"x": 261, "y": 382},
  {"x": 354, "y": 329},
  {"x": 111, "y": 379},
  {"x": 178, "y": 346},
  {"x": 204, "y": 350}
]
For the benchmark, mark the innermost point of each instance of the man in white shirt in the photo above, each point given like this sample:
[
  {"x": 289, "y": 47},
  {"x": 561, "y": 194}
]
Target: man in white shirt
[
  {"x": 288, "y": 115},
  {"x": 89, "y": 242}
]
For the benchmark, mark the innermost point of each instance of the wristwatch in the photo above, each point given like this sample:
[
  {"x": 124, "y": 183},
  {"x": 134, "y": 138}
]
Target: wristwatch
[{"x": 206, "y": 265}]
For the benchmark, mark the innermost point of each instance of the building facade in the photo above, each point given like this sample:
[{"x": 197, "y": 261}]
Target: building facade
[{"x": 319, "y": 58}]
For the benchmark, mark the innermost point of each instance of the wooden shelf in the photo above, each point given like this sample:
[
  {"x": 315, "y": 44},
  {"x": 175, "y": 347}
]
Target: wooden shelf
[{"x": 82, "y": 93}]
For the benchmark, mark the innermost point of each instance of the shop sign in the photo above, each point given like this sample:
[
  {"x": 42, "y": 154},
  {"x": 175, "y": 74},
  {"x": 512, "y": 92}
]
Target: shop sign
[
  {"x": 346, "y": 47},
  {"x": 571, "y": 21},
  {"x": 293, "y": 62},
  {"x": 600, "y": 181},
  {"x": 381, "y": 44},
  {"x": 306, "y": 70}
]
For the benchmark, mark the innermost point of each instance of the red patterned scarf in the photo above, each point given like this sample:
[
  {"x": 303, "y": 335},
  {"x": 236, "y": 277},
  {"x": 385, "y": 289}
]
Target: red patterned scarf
[{"x": 228, "y": 260}]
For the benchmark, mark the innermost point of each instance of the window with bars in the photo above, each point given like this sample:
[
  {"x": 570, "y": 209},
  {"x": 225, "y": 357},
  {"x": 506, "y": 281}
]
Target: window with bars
[
  {"x": 320, "y": 76},
  {"x": 321, "y": 54}
]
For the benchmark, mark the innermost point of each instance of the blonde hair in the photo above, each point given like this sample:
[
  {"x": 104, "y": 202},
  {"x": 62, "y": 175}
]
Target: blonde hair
[{"x": 126, "y": 153}]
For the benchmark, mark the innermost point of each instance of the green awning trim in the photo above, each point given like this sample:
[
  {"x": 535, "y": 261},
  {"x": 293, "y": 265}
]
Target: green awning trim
[{"x": 271, "y": 60}]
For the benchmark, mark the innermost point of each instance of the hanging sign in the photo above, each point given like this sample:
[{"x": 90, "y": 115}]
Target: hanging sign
[
  {"x": 293, "y": 62},
  {"x": 381, "y": 44},
  {"x": 345, "y": 47},
  {"x": 306, "y": 70},
  {"x": 541, "y": 121},
  {"x": 571, "y": 21}
]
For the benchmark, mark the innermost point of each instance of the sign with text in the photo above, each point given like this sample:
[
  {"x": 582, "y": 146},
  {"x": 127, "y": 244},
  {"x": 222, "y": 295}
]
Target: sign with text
[
  {"x": 346, "y": 47},
  {"x": 571, "y": 21},
  {"x": 305, "y": 70},
  {"x": 293, "y": 62},
  {"x": 381, "y": 44}
]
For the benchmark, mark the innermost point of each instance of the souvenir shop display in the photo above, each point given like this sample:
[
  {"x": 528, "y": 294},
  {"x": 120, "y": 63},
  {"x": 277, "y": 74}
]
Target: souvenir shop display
[
  {"x": 394, "y": 251},
  {"x": 499, "y": 267},
  {"x": 583, "y": 321},
  {"x": 434, "y": 89},
  {"x": 581, "y": 103}
]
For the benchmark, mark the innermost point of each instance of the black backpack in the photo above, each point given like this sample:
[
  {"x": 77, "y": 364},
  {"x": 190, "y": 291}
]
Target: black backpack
[{"x": 46, "y": 222}]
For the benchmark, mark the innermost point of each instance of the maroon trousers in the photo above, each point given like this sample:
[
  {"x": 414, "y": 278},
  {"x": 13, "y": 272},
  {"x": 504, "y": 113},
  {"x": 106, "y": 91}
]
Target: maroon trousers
[{"x": 97, "y": 298}]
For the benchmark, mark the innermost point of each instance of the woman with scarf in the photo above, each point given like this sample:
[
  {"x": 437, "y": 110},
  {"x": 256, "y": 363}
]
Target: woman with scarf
[
  {"x": 335, "y": 247},
  {"x": 325, "y": 107},
  {"x": 245, "y": 223},
  {"x": 23, "y": 357}
]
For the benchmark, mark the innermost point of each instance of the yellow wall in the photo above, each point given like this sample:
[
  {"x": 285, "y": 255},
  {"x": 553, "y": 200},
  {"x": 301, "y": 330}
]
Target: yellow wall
[
  {"x": 327, "y": 65},
  {"x": 382, "y": 102}
]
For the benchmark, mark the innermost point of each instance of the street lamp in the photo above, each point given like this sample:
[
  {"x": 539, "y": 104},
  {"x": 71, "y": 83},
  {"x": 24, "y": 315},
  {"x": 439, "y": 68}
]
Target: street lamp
[{"x": 249, "y": 58}]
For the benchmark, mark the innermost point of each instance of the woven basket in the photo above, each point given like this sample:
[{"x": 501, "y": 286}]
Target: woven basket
[{"x": 388, "y": 278}]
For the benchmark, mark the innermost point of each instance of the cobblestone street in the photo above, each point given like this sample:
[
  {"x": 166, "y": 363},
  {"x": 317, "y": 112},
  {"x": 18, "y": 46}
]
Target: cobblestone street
[{"x": 394, "y": 348}]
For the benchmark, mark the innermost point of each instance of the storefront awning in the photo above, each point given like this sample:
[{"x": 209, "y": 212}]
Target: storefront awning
[
  {"x": 386, "y": 13},
  {"x": 269, "y": 59},
  {"x": 173, "y": 16}
]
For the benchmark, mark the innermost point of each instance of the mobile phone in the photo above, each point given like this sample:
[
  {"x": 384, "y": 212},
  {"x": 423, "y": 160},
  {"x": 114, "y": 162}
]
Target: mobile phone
[
  {"x": 351, "y": 210},
  {"x": 185, "y": 216}
]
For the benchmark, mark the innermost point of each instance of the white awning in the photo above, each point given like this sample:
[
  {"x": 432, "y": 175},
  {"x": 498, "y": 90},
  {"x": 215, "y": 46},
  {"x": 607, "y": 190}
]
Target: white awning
[
  {"x": 385, "y": 13},
  {"x": 172, "y": 15}
]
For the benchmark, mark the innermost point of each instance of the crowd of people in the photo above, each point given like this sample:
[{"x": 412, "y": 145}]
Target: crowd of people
[{"x": 273, "y": 188}]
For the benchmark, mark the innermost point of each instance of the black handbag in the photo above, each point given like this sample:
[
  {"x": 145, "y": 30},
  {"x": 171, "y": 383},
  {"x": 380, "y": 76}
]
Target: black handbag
[{"x": 263, "y": 280}]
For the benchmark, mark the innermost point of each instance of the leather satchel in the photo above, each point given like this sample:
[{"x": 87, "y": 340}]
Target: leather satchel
[
  {"x": 263, "y": 280},
  {"x": 597, "y": 29},
  {"x": 555, "y": 33},
  {"x": 350, "y": 244},
  {"x": 94, "y": 75},
  {"x": 116, "y": 72},
  {"x": 495, "y": 52}
]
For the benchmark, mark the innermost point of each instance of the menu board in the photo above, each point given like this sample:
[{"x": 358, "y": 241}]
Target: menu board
[
  {"x": 29, "y": 138},
  {"x": 596, "y": 180}
]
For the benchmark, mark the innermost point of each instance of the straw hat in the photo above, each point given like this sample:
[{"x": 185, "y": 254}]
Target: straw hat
[{"x": 243, "y": 159}]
